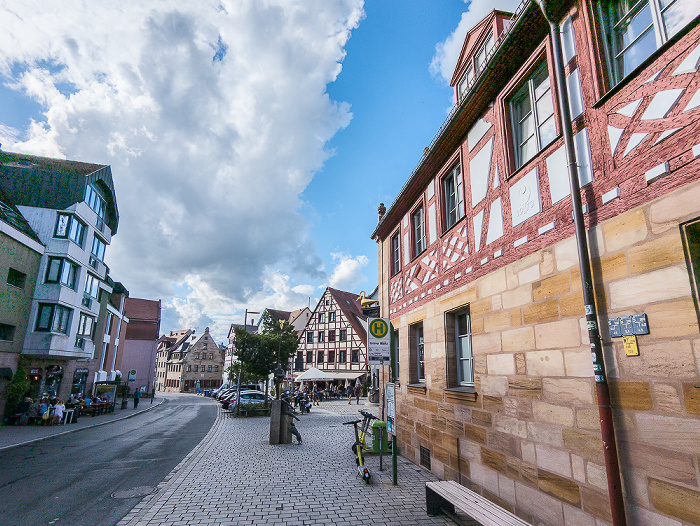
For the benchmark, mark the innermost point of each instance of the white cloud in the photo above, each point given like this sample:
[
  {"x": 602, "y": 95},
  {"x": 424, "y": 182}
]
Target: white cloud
[
  {"x": 214, "y": 117},
  {"x": 447, "y": 52},
  {"x": 347, "y": 274}
]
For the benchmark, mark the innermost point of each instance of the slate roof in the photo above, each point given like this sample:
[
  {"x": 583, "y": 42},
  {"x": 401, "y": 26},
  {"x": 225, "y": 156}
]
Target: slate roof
[
  {"x": 13, "y": 217},
  {"x": 43, "y": 182}
]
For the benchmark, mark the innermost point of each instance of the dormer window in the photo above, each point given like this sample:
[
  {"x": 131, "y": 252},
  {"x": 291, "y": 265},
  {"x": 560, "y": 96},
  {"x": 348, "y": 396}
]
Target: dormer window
[{"x": 476, "y": 64}]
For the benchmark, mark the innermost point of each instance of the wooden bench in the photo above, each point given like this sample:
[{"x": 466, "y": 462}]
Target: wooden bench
[{"x": 446, "y": 495}]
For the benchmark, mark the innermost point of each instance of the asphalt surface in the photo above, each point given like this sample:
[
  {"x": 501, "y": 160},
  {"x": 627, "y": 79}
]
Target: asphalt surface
[{"x": 92, "y": 473}]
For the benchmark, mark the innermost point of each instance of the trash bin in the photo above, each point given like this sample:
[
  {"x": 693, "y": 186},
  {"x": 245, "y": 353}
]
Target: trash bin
[{"x": 379, "y": 430}]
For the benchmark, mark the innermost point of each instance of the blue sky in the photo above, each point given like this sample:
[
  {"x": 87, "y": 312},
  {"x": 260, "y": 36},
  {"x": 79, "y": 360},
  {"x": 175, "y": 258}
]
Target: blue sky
[{"x": 250, "y": 142}]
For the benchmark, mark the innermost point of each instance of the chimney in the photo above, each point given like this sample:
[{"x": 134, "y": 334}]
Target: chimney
[{"x": 382, "y": 210}]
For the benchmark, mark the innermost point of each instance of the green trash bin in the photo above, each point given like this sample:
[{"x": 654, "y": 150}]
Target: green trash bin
[{"x": 379, "y": 430}]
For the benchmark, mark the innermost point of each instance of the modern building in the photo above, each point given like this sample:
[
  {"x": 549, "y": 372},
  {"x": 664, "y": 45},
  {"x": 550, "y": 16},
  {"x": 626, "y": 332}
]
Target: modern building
[
  {"x": 20, "y": 256},
  {"x": 71, "y": 206},
  {"x": 334, "y": 339},
  {"x": 479, "y": 272},
  {"x": 186, "y": 362}
]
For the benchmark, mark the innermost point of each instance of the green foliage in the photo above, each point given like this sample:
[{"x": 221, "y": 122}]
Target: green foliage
[
  {"x": 259, "y": 353},
  {"x": 18, "y": 386}
]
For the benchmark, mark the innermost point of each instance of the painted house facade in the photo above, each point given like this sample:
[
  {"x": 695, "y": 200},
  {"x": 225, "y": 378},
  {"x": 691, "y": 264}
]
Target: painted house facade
[
  {"x": 334, "y": 339},
  {"x": 478, "y": 267}
]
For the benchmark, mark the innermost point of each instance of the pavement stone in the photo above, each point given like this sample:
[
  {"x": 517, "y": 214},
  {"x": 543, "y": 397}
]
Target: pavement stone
[{"x": 234, "y": 477}]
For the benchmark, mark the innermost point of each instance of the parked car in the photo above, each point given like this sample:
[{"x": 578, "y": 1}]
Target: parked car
[{"x": 249, "y": 397}]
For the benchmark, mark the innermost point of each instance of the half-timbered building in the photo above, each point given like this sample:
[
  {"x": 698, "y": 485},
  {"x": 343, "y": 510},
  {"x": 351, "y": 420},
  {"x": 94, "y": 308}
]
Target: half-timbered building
[
  {"x": 479, "y": 273},
  {"x": 334, "y": 339}
]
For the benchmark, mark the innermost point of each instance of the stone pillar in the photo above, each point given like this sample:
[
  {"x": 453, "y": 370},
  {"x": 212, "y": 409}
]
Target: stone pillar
[{"x": 285, "y": 434}]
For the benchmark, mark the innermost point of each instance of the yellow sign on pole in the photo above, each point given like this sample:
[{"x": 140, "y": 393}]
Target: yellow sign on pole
[{"x": 630, "y": 345}]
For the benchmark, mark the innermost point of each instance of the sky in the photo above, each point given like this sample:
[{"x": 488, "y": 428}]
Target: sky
[{"x": 250, "y": 141}]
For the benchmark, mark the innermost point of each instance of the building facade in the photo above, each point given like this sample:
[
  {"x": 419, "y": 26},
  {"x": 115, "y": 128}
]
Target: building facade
[
  {"x": 334, "y": 339},
  {"x": 140, "y": 342},
  {"x": 188, "y": 363},
  {"x": 479, "y": 269},
  {"x": 20, "y": 255},
  {"x": 71, "y": 206}
]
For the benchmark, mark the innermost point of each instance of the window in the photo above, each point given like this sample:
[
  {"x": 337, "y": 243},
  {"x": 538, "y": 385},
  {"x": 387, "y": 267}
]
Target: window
[
  {"x": 634, "y": 30},
  {"x": 91, "y": 285},
  {"x": 463, "y": 347},
  {"x": 418, "y": 222},
  {"x": 189, "y": 368},
  {"x": 7, "y": 332},
  {"x": 476, "y": 65},
  {"x": 321, "y": 339},
  {"x": 309, "y": 356},
  {"x": 97, "y": 203},
  {"x": 69, "y": 227},
  {"x": 63, "y": 271},
  {"x": 309, "y": 337},
  {"x": 331, "y": 356},
  {"x": 53, "y": 318},
  {"x": 98, "y": 248},
  {"x": 395, "y": 253},
  {"x": 331, "y": 336},
  {"x": 454, "y": 202},
  {"x": 216, "y": 368},
  {"x": 341, "y": 356},
  {"x": 532, "y": 116},
  {"x": 196, "y": 368},
  {"x": 417, "y": 366},
  {"x": 331, "y": 317},
  {"x": 321, "y": 317},
  {"x": 196, "y": 356},
  {"x": 85, "y": 325},
  {"x": 396, "y": 354},
  {"x": 319, "y": 357},
  {"x": 211, "y": 356},
  {"x": 355, "y": 356},
  {"x": 690, "y": 233},
  {"x": 208, "y": 368},
  {"x": 16, "y": 278},
  {"x": 343, "y": 335}
]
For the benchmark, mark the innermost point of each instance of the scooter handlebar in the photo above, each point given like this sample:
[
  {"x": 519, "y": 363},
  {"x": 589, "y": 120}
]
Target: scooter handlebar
[{"x": 352, "y": 422}]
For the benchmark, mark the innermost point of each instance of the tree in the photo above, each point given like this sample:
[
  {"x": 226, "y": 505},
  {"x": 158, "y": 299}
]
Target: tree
[
  {"x": 18, "y": 386},
  {"x": 260, "y": 353}
]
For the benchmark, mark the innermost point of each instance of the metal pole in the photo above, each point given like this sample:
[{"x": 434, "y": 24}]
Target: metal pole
[
  {"x": 392, "y": 375},
  {"x": 607, "y": 428}
]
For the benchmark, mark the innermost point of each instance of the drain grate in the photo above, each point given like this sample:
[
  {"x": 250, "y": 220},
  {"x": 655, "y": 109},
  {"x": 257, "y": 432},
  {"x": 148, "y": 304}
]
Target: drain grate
[{"x": 139, "y": 491}]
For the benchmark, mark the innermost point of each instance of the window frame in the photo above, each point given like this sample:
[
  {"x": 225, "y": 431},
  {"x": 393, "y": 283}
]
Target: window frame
[
  {"x": 342, "y": 356},
  {"x": 74, "y": 230},
  {"x": 453, "y": 214},
  {"x": 58, "y": 321},
  {"x": 418, "y": 239},
  {"x": 16, "y": 278},
  {"x": 343, "y": 335},
  {"x": 691, "y": 249},
  {"x": 331, "y": 317},
  {"x": 320, "y": 355},
  {"x": 395, "y": 253},
  {"x": 309, "y": 336},
  {"x": 70, "y": 279},
  {"x": 355, "y": 356},
  {"x": 610, "y": 24},
  {"x": 526, "y": 89},
  {"x": 321, "y": 337},
  {"x": 100, "y": 255},
  {"x": 322, "y": 317}
]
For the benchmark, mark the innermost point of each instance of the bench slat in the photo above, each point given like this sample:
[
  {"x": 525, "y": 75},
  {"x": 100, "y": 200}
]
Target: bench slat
[{"x": 474, "y": 505}]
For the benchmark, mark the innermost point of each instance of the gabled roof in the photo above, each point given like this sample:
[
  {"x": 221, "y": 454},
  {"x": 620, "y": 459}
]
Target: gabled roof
[
  {"x": 277, "y": 315},
  {"x": 13, "y": 217},
  {"x": 473, "y": 39},
  {"x": 295, "y": 314},
  {"x": 250, "y": 328},
  {"x": 43, "y": 182},
  {"x": 350, "y": 306}
]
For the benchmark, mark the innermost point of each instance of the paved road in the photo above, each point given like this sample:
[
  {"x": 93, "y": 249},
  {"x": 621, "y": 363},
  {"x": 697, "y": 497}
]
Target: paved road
[
  {"x": 235, "y": 477},
  {"x": 86, "y": 478}
]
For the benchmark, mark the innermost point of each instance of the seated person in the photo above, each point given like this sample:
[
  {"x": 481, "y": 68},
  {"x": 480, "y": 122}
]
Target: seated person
[{"x": 32, "y": 413}]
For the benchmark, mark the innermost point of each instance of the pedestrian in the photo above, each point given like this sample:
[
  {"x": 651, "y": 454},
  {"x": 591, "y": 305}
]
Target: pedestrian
[
  {"x": 358, "y": 390},
  {"x": 350, "y": 392},
  {"x": 137, "y": 395}
]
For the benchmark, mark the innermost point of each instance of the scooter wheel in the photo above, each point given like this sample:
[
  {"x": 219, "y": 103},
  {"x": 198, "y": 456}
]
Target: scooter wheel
[{"x": 354, "y": 448}]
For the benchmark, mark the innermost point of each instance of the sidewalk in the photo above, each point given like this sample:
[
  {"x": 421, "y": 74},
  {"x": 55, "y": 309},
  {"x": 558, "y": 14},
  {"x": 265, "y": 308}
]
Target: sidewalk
[
  {"x": 234, "y": 477},
  {"x": 13, "y": 436}
]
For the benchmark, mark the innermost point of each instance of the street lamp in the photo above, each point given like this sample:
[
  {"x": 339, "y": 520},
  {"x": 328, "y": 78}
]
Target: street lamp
[
  {"x": 279, "y": 372},
  {"x": 238, "y": 384}
]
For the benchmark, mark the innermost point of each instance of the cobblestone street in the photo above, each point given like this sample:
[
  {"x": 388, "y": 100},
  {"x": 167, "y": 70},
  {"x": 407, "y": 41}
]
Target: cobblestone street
[{"x": 234, "y": 477}]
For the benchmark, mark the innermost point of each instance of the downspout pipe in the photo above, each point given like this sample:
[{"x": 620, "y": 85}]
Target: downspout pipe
[{"x": 612, "y": 466}]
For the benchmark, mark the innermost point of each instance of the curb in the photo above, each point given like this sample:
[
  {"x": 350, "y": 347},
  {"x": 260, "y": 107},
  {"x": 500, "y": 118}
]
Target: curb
[{"x": 70, "y": 431}]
